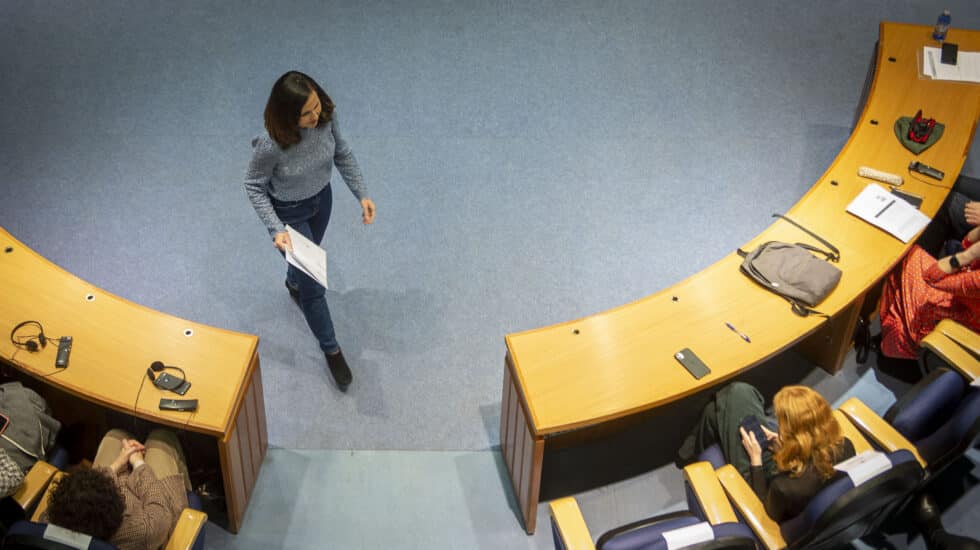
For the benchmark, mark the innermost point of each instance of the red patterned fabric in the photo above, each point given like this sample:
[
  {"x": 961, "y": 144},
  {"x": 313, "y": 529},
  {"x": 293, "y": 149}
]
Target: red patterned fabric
[{"x": 917, "y": 295}]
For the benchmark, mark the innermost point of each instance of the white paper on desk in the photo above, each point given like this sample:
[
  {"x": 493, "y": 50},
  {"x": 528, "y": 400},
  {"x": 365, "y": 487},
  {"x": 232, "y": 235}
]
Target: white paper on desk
[
  {"x": 967, "y": 68},
  {"x": 307, "y": 257},
  {"x": 862, "y": 467},
  {"x": 881, "y": 209}
]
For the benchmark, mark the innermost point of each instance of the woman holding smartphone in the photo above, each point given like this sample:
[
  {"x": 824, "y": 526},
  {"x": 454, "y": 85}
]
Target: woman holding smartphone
[{"x": 288, "y": 183}]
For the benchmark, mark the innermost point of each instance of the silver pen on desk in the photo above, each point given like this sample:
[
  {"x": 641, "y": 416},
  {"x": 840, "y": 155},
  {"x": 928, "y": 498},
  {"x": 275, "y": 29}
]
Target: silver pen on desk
[{"x": 736, "y": 331}]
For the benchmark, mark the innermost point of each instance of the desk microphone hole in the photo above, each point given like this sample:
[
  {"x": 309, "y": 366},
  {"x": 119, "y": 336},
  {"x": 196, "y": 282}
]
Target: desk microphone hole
[
  {"x": 674, "y": 299},
  {"x": 9, "y": 249},
  {"x": 833, "y": 182},
  {"x": 188, "y": 332},
  {"x": 89, "y": 297},
  {"x": 874, "y": 122},
  {"x": 892, "y": 59}
]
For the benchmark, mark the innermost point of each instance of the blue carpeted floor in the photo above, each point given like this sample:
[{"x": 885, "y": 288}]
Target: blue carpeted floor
[{"x": 532, "y": 162}]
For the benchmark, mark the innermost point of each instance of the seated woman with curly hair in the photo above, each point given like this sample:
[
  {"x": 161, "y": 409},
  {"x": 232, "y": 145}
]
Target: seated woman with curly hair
[
  {"x": 131, "y": 497},
  {"x": 789, "y": 467}
]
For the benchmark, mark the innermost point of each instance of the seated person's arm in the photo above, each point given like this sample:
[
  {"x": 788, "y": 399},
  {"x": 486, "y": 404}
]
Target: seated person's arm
[
  {"x": 154, "y": 512},
  {"x": 10, "y": 475}
]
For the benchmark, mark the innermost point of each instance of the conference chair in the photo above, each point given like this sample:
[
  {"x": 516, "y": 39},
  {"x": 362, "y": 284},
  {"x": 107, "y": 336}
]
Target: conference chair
[
  {"x": 19, "y": 506},
  {"x": 841, "y": 512},
  {"x": 34, "y": 535},
  {"x": 951, "y": 345},
  {"x": 709, "y": 524}
]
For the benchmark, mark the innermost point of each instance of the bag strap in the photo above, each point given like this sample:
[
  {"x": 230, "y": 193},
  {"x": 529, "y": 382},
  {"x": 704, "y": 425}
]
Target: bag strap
[{"x": 833, "y": 255}]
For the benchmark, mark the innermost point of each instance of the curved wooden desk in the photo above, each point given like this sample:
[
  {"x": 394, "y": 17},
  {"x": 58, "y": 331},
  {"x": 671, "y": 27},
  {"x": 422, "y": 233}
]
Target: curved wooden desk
[
  {"x": 620, "y": 362},
  {"x": 116, "y": 340}
]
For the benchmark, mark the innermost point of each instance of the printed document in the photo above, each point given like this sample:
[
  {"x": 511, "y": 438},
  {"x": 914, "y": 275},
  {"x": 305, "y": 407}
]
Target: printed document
[
  {"x": 967, "y": 68},
  {"x": 882, "y": 209},
  {"x": 307, "y": 257}
]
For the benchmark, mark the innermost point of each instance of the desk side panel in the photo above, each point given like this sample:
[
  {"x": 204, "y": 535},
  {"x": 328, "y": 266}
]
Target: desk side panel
[{"x": 243, "y": 450}]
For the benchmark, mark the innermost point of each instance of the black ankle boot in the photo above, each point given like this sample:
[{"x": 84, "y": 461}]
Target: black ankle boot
[{"x": 339, "y": 369}]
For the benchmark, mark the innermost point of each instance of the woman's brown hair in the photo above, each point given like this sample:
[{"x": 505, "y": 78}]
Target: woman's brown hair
[
  {"x": 285, "y": 104},
  {"x": 808, "y": 432}
]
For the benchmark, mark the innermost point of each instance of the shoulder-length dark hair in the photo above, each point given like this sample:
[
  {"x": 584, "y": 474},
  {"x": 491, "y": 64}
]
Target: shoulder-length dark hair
[{"x": 285, "y": 105}]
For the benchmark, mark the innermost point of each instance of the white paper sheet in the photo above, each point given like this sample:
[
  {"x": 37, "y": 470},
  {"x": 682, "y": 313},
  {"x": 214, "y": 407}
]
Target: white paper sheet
[
  {"x": 967, "y": 68},
  {"x": 686, "y": 536},
  {"x": 862, "y": 467},
  {"x": 307, "y": 257},
  {"x": 881, "y": 209}
]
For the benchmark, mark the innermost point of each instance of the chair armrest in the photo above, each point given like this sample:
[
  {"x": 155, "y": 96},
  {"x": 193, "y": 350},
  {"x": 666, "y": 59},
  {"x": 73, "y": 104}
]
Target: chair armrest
[
  {"x": 952, "y": 342},
  {"x": 34, "y": 484},
  {"x": 851, "y": 432},
  {"x": 188, "y": 526},
  {"x": 751, "y": 508},
  {"x": 42, "y": 505},
  {"x": 709, "y": 492},
  {"x": 875, "y": 427},
  {"x": 571, "y": 525}
]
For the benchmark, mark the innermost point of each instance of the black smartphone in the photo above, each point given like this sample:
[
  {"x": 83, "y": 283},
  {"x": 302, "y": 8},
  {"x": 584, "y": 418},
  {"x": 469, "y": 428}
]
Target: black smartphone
[
  {"x": 751, "y": 424},
  {"x": 692, "y": 363},
  {"x": 166, "y": 381}
]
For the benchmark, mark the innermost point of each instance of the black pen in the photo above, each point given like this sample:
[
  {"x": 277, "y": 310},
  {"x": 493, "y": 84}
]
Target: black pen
[{"x": 885, "y": 208}]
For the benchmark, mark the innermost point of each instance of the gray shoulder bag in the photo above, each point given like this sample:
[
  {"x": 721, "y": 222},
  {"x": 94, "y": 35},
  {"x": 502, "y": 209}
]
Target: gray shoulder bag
[{"x": 793, "y": 272}]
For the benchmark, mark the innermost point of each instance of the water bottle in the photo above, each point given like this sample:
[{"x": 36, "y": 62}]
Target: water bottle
[{"x": 942, "y": 26}]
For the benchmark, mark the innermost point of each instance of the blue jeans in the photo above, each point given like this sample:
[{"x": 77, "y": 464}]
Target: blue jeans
[{"x": 310, "y": 217}]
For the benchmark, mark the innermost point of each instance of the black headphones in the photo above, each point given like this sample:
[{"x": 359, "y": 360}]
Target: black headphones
[
  {"x": 158, "y": 366},
  {"x": 30, "y": 342}
]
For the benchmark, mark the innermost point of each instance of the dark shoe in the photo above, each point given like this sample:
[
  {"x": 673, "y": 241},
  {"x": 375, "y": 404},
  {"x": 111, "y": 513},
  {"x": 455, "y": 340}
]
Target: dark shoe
[
  {"x": 339, "y": 369},
  {"x": 293, "y": 292}
]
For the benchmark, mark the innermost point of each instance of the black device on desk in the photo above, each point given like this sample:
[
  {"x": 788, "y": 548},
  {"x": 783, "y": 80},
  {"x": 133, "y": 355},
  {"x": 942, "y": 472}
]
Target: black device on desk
[
  {"x": 914, "y": 200},
  {"x": 64, "y": 352},
  {"x": 927, "y": 170},
  {"x": 692, "y": 363},
  {"x": 178, "y": 404},
  {"x": 948, "y": 56},
  {"x": 166, "y": 381}
]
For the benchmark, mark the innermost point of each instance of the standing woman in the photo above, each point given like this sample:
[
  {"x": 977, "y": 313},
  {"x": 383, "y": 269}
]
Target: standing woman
[{"x": 288, "y": 182}]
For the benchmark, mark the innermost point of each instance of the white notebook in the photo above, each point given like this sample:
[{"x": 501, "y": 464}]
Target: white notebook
[{"x": 880, "y": 208}]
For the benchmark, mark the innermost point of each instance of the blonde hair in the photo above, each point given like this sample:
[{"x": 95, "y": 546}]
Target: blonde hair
[{"x": 808, "y": 432}]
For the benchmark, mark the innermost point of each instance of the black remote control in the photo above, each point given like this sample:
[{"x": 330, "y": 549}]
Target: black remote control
[
  {"x": 926, "y": 169},
  {"x": 178, "y": 404},
  {"x": 64, "y": 351}
]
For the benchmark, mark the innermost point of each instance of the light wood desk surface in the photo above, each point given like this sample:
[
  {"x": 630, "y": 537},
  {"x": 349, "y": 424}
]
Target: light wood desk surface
[
  {"x": 116, "y": 340},
  {"x": 620, "y": 362}
]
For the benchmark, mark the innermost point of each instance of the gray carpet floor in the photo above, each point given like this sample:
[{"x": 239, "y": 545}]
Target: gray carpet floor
[{"x": 532, "y": 162}]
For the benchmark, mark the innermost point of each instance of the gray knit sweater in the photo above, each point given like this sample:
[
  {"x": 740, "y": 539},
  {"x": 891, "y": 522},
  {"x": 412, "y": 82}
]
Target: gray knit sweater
[{"x": 300, "y": 171}]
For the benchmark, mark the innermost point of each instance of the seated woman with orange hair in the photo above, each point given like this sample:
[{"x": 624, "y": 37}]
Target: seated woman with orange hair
[
  {"x": 790, "y": 467},
  {"x": 924, "y": 291},
  {"x": 805, "y": 450}
]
